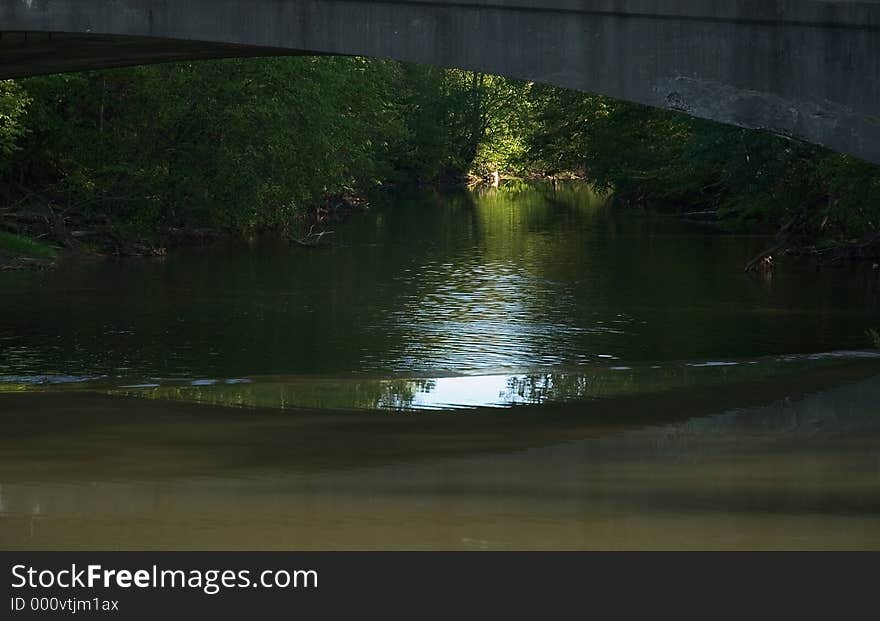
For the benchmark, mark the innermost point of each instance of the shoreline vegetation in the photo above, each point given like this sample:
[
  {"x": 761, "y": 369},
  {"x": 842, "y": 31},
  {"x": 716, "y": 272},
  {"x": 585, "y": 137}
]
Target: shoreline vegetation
[
  {"x": 21, "y": 253},
  {"x": 129, "y": 162}
]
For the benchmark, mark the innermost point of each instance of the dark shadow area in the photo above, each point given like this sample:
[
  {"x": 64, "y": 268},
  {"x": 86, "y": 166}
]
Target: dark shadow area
[{"x": 38, "y": 53}]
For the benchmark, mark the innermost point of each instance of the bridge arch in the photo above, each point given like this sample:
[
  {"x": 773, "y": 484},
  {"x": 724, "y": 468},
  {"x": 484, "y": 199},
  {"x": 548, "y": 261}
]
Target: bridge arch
[{"x": 803, "y": 68}]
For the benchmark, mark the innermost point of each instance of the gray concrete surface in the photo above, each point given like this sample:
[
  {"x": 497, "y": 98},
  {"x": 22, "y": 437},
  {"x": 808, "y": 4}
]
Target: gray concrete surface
[{"x": 804, "y": 68}]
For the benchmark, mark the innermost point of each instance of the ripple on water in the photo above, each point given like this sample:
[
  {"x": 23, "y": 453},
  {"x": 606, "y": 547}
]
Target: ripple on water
[{"x": 499, "y": 387}]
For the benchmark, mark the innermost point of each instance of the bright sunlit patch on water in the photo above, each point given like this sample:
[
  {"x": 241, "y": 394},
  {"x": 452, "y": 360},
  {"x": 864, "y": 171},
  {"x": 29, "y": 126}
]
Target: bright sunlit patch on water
[
  {"x": 495, "y": 390},
  {"x": 498, "y": 389},
  {"x": 457, "y": 392}
]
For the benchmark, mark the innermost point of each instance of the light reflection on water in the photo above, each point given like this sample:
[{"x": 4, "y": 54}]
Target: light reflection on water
[
  {"x": 605, "y": 380},
  {"x": 493, "y": 390},
  {"x": 500, "y": 282}
]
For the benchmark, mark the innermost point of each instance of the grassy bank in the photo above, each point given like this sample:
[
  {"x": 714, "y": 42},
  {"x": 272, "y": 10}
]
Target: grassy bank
[{"x": 19, "y": 252}]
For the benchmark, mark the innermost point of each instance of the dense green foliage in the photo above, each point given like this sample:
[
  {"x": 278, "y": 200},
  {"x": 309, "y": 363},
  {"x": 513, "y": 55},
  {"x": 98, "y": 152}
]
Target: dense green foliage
[
  {"x": 13, "y": 103},
  {"x": 240, "y": 144},
  {"x": 647, "y": 155},
  {"x": 251, "y": 144}
]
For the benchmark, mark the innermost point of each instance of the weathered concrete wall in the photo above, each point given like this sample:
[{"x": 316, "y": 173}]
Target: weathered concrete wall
[{"x": 807, "y": 68}]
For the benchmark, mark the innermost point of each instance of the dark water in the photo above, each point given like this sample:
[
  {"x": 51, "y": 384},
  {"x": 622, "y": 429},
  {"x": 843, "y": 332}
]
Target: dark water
[
  {"x": 518, "y": 280},
  {"x": 665, "y": 398}
]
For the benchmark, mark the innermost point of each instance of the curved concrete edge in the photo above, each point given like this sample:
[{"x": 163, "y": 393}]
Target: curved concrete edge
[{"x": 803, "y": 68}]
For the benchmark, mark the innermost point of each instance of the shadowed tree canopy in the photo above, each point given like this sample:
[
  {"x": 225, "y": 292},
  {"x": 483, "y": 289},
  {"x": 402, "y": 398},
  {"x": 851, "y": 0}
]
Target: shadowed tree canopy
[{"x": 244, "y": 145}]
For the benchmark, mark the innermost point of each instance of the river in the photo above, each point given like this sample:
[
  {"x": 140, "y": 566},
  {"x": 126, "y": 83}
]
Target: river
[{"x": 514, "y": 368}]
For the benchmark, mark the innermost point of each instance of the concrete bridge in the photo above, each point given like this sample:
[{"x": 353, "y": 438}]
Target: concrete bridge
[{"x": 804, "y": 68}]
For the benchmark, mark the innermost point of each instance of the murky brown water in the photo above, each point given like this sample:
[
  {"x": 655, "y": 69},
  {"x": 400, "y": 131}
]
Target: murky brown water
[{"x": 803, "y": 471}]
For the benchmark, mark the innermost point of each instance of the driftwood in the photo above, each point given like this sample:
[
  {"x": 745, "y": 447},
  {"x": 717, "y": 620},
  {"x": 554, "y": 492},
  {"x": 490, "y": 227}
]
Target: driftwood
[
  {"x": 312, "y": 238},
  {"x": 27, "y": 264},
  {"x": 765, "y": 257},
  {"x": 867, "y": 249}
]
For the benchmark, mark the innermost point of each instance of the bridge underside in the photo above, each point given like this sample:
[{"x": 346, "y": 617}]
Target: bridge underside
[
  {"x": 804, "y": 68},
  {"x": 24, "y": 54}
]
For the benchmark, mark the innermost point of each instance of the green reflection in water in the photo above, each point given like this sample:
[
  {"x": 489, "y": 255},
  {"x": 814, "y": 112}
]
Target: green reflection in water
[
  {"x": 497, "y": 390},
  {"x": 519, "y": 278}
]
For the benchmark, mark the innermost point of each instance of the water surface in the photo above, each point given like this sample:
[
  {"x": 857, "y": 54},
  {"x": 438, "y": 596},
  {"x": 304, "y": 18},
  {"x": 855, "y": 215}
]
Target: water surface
[
  {"x": 521, "y": 279},
  {"x": 517, "y": 368}
]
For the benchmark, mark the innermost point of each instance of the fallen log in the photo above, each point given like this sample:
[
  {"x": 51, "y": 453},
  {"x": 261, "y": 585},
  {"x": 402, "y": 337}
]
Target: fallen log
[{"x": 765, "y": 257}]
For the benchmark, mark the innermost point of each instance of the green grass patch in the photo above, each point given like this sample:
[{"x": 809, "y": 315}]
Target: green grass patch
[
  {"x": 17, "y": 246},
  {"x": 874, "y": 335}
]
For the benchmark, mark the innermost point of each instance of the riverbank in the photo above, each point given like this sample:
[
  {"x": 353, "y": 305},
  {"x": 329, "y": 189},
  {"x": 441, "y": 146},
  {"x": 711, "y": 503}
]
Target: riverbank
[
  {"x": 45, "y": 238},
  {"x": 42, "y": 241},
  {"x": 799, "y": 238},
  {"x": 22, "y": 253}
]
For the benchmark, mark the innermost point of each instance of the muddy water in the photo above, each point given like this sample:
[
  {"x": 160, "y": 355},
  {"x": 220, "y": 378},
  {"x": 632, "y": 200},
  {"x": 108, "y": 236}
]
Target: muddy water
[{"x": 800, "y": 472}]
